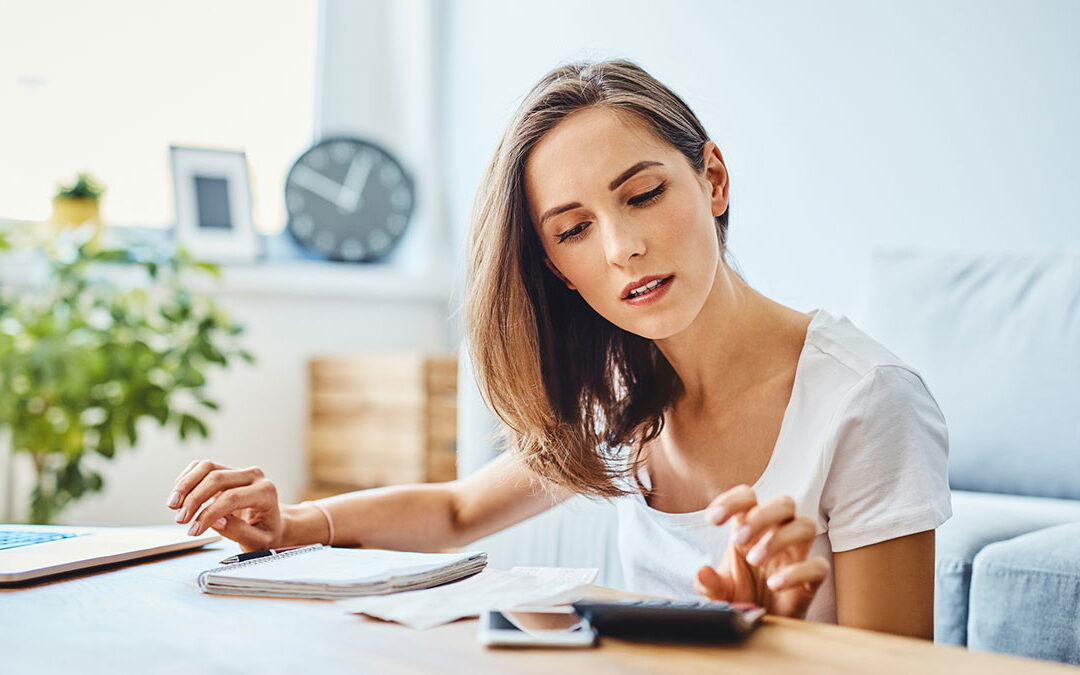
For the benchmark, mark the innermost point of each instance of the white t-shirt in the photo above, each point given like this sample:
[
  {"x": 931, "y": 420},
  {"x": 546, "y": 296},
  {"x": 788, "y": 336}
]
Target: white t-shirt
[{"x": 862, "y": 449}]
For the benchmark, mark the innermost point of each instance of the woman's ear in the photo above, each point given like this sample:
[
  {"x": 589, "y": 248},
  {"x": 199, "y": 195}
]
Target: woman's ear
[
  {"x": 717, "y": 176},
  {"x": 556, "y": 272}
]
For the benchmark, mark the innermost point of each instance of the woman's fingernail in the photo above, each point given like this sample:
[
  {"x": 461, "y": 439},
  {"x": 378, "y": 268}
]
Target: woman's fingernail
[
  {"x": 775, "y": 581},
  {"x": 743, "y": 535},
  {"x": 174, "y": 499},
  {"x": 716, "y": 515},
  {"x": 755, "y": 556},
  {"x": 219, "y": 523},
  {"x": 180, "y": 516},
  {"x": 193, "y": 528}
]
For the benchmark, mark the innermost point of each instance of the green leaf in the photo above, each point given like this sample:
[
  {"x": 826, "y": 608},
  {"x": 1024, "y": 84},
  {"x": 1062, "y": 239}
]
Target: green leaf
[
  {"x": 191, "y": 424},
  {"x": 130, "y": 431},
  {"x": 208, "y": 267},
  {"x": 113, "y": 255}
]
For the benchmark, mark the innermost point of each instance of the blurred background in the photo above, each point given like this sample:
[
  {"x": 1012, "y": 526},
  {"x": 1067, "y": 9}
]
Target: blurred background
[{"x": 847, "y": 127}]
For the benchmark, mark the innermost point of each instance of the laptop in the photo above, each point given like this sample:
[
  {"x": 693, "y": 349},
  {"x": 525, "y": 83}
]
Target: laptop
[{"x": 35, "y": 551}]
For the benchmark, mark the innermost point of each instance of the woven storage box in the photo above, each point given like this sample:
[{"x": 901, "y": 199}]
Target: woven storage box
[{"x": 382, "y": 419}]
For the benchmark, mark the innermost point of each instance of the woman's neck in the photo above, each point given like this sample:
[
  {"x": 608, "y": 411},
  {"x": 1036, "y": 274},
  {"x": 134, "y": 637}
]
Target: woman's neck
[{"x": 737, "y": 341}]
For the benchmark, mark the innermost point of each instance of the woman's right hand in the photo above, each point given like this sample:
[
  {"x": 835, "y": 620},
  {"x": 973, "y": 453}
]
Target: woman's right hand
[{"x": 241, "y": 504}]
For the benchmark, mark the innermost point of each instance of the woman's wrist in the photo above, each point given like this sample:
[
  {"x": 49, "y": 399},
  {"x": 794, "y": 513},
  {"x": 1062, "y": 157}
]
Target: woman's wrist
[{"x": 303, "y": 524}]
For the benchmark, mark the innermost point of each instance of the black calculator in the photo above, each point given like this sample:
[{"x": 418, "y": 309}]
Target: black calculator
[{"x": 670, "y": 620}]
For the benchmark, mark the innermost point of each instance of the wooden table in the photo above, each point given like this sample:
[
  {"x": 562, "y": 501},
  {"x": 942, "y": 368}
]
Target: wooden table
[{"x": 151, "y": 617}]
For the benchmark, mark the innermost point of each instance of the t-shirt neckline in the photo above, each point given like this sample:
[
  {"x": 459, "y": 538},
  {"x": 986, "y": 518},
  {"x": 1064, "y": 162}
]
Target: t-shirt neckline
[{"x": 697, "y": 518}]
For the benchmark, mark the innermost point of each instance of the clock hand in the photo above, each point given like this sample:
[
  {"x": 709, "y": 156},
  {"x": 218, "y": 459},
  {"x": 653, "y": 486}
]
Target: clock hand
[
  {"x": 355, "y": 179},
  {"x": 317, "y": 183}
]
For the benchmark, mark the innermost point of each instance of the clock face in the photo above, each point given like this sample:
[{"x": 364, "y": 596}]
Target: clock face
[{"x": 348, "y": 200}]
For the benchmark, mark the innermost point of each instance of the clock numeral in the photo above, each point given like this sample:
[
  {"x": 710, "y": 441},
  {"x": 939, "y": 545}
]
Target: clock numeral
[
  {"x": 379, "y": 240},
  {"x": 325, "y": 242},
  {"x": 401, "y": 198},
  {"x": 342, "y": 151},
  {"x": 303, "y": 226},
  {"x": 395, "y": 223},
  {"x": 352, "y": 249},
  {"x": 389, "y": 174},
  {"x": 317, "y": 158},
  {"x": 294, "y": 201}
]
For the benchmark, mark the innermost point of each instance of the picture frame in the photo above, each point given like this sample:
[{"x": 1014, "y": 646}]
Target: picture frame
[{"x": 213, "y": 204}]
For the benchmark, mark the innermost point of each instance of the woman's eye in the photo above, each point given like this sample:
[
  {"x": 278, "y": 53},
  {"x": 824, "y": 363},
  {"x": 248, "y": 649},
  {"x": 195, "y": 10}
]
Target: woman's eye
[
  {"x": 649, "y": 197},
  {"x": 573, "y": 232}
]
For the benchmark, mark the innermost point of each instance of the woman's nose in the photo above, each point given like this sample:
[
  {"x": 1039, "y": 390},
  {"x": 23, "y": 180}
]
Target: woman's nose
[{"x": 622, "y": 242}]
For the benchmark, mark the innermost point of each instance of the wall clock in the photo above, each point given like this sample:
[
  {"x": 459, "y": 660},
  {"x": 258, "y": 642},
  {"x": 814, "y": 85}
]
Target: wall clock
[{"x": 348, "y": 200}]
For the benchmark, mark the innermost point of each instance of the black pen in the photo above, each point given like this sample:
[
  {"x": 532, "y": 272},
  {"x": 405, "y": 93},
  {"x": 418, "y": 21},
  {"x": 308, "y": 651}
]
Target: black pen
[{"x": 241, "y": 557}]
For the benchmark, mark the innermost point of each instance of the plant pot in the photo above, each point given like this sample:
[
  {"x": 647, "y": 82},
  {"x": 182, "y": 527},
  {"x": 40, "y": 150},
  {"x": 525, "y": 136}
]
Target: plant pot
[{"x": 76, "y": 211}]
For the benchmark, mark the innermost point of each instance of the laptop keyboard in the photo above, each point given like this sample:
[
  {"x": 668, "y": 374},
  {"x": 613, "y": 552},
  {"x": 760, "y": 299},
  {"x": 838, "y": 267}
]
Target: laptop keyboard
[{"x": 16, "y": 538}]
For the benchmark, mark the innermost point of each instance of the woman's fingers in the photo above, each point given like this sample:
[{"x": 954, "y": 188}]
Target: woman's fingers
[
  {"x": 738, "y": 499},
  {"x": 798, "y": 534},
  {"x": 196, "y": 492},
  {"x": 808, "y": 573},
  {"x": 248, "y": 536},
  {"x": 175, "y": 498},
  {"x": 713, "y": 585},
  {"x": 761, "y": 519},
  {"x": 257, "y": 496},
  {"x": 188, "y": 479}
]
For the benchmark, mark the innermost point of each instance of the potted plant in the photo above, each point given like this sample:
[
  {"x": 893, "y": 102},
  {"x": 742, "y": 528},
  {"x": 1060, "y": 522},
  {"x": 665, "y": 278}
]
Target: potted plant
[
  {"x": 88, "y": 350},
  {"x": 78, "y": 203}
]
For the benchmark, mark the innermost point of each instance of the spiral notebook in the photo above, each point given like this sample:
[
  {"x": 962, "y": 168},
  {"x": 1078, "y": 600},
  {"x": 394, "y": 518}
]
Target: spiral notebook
[{"x": 329, "y": 573}]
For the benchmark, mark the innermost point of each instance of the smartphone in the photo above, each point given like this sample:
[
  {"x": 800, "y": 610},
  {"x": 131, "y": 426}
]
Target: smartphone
[{"x": 554, "y": 627}]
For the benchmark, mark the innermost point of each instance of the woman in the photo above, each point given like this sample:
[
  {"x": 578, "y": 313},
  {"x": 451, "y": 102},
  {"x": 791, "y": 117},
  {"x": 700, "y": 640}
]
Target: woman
[{"x": 628, "y": 360}]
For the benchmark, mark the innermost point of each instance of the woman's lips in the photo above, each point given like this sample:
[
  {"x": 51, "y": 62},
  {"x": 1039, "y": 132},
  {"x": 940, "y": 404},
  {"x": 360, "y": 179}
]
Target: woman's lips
[{"x": 651, "y": 296}]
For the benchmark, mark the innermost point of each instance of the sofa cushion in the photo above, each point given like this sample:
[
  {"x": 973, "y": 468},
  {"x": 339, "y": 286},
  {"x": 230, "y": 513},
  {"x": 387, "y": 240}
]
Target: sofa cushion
[
  {"x": 997, "y": 339},
  {"x": 1025, "y": 596},
  {"x": 980, "y": 519}
]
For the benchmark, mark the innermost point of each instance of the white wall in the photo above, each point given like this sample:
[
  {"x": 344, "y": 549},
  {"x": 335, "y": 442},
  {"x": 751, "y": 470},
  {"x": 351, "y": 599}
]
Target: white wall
[{"x": 846, "y": 125}]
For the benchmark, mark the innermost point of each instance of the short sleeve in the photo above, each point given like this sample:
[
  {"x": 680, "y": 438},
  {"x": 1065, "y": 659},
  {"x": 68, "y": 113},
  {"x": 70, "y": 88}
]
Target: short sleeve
[{"x": 886, "y": 462}]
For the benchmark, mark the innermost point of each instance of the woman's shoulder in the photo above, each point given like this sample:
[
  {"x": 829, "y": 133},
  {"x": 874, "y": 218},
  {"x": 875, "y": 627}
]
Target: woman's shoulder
[
  {"x": 858, "y": 377},
  {"x": 839, "y": 342}
]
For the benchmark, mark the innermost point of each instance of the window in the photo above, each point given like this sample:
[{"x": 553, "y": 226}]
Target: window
[{"x": 107, "y": 86}]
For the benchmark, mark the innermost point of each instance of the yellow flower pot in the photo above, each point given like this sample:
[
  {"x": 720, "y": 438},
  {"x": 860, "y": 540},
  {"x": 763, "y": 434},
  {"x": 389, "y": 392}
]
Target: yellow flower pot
[{"x": 76, "y": 211}]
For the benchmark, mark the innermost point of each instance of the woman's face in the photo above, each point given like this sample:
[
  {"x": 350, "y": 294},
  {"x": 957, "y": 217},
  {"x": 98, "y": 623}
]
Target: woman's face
[{"x": 626, "y": 221}]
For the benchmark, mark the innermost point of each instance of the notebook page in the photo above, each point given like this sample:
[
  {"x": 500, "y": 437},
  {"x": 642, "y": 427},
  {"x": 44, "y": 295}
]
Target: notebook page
[{"x": 336, "y": 565}]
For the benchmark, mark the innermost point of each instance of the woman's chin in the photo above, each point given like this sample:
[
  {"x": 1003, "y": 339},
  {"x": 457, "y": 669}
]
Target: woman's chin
[{"x": 656, "y": 328}]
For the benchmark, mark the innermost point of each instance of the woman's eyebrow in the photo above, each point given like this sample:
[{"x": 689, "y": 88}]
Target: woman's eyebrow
[
  {"x": 619, "y": 180},
  {"x": 625, "y": 175}
]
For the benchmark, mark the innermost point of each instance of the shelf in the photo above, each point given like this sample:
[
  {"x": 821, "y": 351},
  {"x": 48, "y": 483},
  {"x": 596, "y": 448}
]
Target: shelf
[
  {"x": 282, "y": 273},
  {"x": 331, "y": 280}
]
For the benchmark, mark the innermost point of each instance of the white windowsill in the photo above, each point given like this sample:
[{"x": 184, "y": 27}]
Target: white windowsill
[{"x": 288, "y": 278}]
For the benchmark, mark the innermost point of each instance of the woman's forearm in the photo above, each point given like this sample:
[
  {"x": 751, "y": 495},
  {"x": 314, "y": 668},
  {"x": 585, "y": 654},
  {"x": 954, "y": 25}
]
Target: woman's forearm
[
  {"x": 425, "y": 517},
  {"x": 405, "y": 517}
]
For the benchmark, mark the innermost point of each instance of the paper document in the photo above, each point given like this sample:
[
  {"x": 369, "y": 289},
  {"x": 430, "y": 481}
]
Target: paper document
[{"x": 491, "y": 589}]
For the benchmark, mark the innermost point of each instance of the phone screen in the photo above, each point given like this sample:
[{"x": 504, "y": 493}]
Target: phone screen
[{"x": 535, "y": 623}]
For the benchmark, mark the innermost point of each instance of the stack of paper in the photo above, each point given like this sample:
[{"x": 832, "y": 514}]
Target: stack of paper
[
  {"x": 520, "y": 588},
  {"x": 323, "y": 572}
]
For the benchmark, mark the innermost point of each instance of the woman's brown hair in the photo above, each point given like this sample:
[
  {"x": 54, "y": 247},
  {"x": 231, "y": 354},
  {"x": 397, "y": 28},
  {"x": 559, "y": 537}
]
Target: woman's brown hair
[{"x": 574, "y": 390}]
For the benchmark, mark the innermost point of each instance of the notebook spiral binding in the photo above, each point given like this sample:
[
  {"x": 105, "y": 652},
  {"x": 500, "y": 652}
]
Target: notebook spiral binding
[{"x": 256, "y": 561}]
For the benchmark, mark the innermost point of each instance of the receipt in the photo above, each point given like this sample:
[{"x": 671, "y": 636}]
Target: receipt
[{"x": 490, "y": 589}]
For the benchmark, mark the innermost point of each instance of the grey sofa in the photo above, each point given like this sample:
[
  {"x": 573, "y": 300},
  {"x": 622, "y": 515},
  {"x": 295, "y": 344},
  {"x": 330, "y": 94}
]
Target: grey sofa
[{"x": 997, "y": 339}]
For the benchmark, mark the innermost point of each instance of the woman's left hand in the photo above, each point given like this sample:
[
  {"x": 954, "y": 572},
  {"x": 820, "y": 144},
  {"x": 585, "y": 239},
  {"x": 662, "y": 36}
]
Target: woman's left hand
[{"x": 765, "y": 561}]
